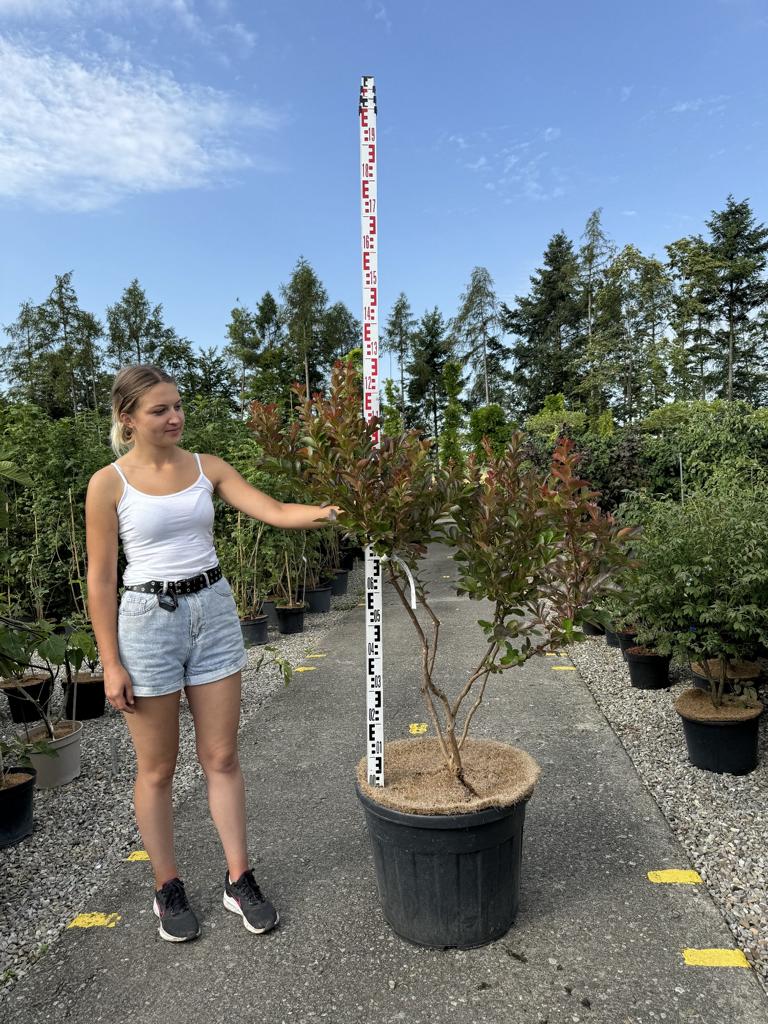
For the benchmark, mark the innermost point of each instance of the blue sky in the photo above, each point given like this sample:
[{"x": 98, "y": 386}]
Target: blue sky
[{"x": 204, "y": 145}]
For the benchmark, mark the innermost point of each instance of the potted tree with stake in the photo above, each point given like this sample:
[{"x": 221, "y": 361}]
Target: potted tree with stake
[
  {"x": 541, "y": 550},
  {"x": 705, "y": 602}
]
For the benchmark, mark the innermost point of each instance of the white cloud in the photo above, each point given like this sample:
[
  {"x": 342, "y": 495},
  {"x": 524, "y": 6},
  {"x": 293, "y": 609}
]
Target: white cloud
[
  {"x": 240, "y": 33},
  {"x": 550, "y": 134},
  {"x": 629, "y": 213},
  {"x": 626, "y": 92},
  {"x": 714, "y": 105},
  {"x": 81, "y": 137},
  {"x": 685, "y": 106},
  {"x": 478, "y": 164}
]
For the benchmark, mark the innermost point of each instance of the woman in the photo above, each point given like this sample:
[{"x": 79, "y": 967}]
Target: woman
[{"x": 176, "y": 628}]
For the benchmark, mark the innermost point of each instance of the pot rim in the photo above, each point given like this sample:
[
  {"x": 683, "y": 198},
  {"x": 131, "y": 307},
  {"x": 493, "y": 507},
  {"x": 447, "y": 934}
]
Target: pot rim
[{"x": 468, "y": 819}]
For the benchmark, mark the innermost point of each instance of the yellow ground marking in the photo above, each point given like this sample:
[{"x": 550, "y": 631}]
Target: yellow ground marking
[
  {"x": 317, "y": 656},
  {"x": 563, "y": 668},
  {"x": 306, "y": 668},
  {"x": 550, "y": 654},
  {"x": 675, "y": 876},
  {"x": 138, "y": 855},
  {"x": 715, "y": 958},
  {"x": 417, "y": 728},
  {"x": 446, "y": 577},
  {"x": 94, "y": 921}
]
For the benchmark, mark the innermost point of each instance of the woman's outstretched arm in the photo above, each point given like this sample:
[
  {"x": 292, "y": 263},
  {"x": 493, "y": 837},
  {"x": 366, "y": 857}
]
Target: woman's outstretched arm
[{"x": 237, "y": 492}]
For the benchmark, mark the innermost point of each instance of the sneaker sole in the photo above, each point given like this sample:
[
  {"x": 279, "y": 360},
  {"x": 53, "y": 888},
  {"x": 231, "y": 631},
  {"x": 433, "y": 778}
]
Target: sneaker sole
[
  {"x": 166, "y": 935},
  {"x": 234, "y": 906}
]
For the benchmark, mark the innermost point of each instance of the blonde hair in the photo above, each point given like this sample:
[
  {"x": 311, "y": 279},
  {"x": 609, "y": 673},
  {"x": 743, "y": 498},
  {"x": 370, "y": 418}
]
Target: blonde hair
[{"x": 129, "y": 385}]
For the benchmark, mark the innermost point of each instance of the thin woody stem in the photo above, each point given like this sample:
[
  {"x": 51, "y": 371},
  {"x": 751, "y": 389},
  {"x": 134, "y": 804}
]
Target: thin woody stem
[
  {"x": 483, "y": 668},
  {"x": 428, "y": 689},
  {"x": 473, "y": 709}
]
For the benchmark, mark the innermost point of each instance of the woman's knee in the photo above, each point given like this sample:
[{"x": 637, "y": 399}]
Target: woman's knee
[
  {"x": 158, "y": 775},
  {"x": 219, "y": 761}
]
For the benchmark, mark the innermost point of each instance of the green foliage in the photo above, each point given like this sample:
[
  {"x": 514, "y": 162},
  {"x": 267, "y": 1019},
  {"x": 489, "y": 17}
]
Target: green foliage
[
  {"x": 555, "y": 419},
  {"x": 541, "y": 551},
  {"x": 489, "y": 421},
  {"x": 700, "y": 589},
  {"x": 451, "y": 449},
  {"x": 392, "y": 421}
]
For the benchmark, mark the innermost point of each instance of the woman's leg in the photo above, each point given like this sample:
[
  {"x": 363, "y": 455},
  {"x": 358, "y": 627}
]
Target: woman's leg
[
  {"x": 216, "y": 712},
  {"x": 154, "y": 729}
]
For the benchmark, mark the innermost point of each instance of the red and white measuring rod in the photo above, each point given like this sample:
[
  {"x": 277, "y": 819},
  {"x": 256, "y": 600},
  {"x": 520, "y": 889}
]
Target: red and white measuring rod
[{"x": 369, "y": 244}]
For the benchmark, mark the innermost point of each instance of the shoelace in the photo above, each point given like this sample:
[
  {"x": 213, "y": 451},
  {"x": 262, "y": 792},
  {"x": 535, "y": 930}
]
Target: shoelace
[
  {"x": 174, "y": 897},
  {"x": 248, "y": 887}
]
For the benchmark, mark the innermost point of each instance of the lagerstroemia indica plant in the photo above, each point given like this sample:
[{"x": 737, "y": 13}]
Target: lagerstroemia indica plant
[{"x": 539, "y": 549}]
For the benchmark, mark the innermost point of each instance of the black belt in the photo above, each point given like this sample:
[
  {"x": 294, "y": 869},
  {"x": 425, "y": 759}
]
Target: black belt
[{"x": 169, "y": 591}]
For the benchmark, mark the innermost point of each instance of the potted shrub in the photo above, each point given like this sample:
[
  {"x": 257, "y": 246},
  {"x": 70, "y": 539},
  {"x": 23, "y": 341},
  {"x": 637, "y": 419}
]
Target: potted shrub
[
  {"x": 29, "y": 693},
  {"x": 244, "y": 568},
  {"x": 83, "y": 690},
  {"x": 540, "y": 550},
  {"x": 66, "y": 647},
  {"x": 317, "y": 590},
  {"x": 17, "y": 786},
  {"x": 703, "y": 598},
  {"x": 291, "y": 581}
]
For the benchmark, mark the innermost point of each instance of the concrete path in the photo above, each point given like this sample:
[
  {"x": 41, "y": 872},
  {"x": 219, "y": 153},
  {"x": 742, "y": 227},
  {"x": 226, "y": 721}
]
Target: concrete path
[{"x": 594, "y": 940}]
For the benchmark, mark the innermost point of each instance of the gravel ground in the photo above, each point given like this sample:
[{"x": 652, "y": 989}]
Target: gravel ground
[
  {"x": 83, "y": 830},
  {"x": 721, "y": 820}
]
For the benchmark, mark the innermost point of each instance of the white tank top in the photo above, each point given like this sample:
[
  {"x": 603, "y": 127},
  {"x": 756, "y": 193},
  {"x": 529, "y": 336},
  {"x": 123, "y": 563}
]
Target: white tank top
[{"x": 166, "y": 536}]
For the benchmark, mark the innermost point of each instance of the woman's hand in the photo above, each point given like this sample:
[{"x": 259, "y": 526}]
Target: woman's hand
[{"x": 118, "y": 688}]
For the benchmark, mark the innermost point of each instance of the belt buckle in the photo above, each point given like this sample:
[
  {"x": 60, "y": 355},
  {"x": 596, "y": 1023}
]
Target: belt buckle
[{"x": 167, "y": 598}]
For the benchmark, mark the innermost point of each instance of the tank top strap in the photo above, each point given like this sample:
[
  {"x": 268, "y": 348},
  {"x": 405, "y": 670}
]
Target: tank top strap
[
  {"x": 120, "y": 472},
  {"x": 199, "y": 464}
]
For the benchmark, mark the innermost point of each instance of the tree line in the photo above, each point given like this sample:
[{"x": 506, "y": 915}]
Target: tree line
[{"x": 602, "y": 332}]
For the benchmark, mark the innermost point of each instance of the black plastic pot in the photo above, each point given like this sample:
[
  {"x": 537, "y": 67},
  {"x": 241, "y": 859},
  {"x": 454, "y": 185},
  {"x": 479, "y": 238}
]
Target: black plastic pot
[
  {"x": 648, "y": 671},
  {"x": 347, "y": 560},
  {"x": 611, "y": 638},
  {"x": 16, "y": 808},
  {"x": 318, "y": 599},
  {"x": 254, "y": 631},
  {"x": 592, "y": 629},
  {"x": 268, "y": 608},
  {"x": 447, "y": 881},
  {"x": 339, "y": 582},
  {"x": 290, "y": 620},
  {"x": 722, "y": 747},
  {"x": 626, "y": 640},
  {"x": 22, "y": 709},
  {"x": 90, "y": 698}
]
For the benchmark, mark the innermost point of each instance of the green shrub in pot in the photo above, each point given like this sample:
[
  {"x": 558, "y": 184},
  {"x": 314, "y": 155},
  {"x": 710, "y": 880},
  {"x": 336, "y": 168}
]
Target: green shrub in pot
[{"x": 701, "y": 592}]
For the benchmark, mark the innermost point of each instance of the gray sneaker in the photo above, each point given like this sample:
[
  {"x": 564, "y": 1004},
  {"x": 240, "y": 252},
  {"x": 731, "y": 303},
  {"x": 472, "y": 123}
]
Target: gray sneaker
[
  {"x": 244, "y": 897},
  {"x": 177, "y": 920}
]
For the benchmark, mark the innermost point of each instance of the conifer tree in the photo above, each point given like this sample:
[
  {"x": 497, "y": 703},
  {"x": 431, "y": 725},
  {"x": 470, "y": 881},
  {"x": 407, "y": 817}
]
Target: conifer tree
[
  {"x": 426, "y": 391},
  {"x": 740, "y": 249},
  {"x": 478, "y": 332},
  {"x": 549, "y": 329},
  {"x": 398, "y": 339},
  {"x": 305, "y": 300}
]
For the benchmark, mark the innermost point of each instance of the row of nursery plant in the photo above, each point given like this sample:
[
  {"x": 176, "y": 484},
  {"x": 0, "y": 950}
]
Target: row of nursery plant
[{"x": 697, "y": 594}]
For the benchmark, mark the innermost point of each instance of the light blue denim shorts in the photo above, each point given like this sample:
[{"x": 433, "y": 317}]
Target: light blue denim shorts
[{"x": 164, "y": 651}]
